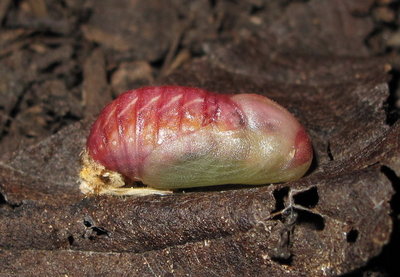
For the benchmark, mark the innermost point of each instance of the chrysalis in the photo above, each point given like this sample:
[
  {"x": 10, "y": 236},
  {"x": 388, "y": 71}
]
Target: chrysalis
[{"x": 172, "y": 137}]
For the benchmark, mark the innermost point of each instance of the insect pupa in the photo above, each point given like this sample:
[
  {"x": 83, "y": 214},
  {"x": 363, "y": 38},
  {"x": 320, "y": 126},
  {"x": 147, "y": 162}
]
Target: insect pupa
[{"x": 173, "y": 137}]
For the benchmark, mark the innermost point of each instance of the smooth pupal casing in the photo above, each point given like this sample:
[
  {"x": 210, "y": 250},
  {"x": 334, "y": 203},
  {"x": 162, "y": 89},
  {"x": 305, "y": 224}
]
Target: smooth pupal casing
[{"x": 171, "y": 137}]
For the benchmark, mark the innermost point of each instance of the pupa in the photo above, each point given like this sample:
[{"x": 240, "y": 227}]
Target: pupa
[{"x": 174, "y": 137}]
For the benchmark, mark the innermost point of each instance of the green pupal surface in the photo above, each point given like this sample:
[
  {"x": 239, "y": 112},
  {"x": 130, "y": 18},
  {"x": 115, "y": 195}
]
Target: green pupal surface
[
  {"x": 210, "y": 157},
  {"x": 271, "y": 147}
]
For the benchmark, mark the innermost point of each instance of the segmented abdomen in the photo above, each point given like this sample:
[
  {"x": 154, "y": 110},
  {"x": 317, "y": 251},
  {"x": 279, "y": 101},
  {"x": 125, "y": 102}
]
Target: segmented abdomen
[{"x": 138, "y": 121}]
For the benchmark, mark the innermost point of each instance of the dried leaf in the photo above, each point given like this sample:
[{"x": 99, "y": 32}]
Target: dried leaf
[
  {"x": 96, "y": 92},
  {"x": 143, "y": 29}
]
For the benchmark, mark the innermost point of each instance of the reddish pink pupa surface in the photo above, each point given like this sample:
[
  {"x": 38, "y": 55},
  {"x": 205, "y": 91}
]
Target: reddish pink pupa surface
[{"x": 173, "y": 137}]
